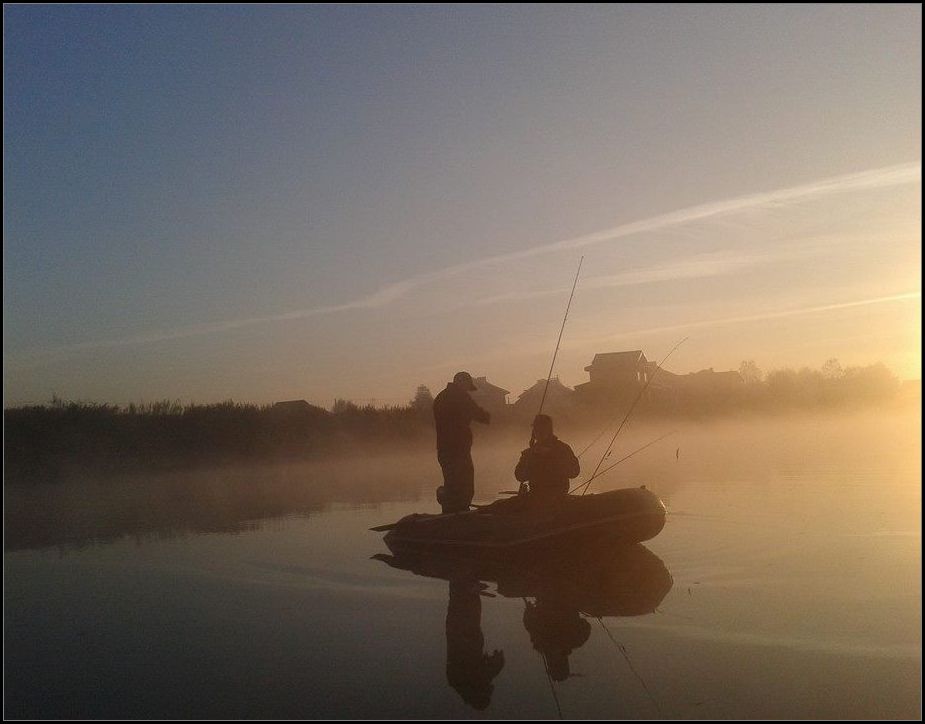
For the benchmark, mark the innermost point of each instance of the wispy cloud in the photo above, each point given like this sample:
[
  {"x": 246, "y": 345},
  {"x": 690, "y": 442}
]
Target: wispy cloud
[
  {"x": 697, "y": 266},
  {"x": 758, "y": 317},
  {"x": 873, "y": 179}
]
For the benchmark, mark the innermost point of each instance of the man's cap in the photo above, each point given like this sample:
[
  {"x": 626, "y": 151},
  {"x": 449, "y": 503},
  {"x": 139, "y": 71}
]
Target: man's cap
[
  {"x": 542, "y": 421},
  {"x": 464, "y": 380}
]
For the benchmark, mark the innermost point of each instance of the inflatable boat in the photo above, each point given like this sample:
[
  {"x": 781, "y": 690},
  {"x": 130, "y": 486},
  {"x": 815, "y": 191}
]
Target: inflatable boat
[{"x": 522, "y": 525}]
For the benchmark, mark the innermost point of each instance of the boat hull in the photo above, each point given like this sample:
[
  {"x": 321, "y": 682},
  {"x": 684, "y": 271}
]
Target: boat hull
[
  {"x": 518, "y": 525},
  {"x": 605, "y": 580}
]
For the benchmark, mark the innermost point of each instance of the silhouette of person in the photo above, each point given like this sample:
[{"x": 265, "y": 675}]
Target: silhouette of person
[
  {"x": 588, "y": 580},
  {"x": 556, "y": 629},
  {"x": 454, "y": 411},
  {"x": 469, "y": 669},
  {"x": 548, "y": 464}
]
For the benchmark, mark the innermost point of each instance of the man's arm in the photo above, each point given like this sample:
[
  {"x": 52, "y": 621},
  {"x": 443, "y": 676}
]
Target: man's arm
[
  {"x": 522, "y": 471},
  {"x": 478, "y": 414},
  {"x": 570, "y": 464}
]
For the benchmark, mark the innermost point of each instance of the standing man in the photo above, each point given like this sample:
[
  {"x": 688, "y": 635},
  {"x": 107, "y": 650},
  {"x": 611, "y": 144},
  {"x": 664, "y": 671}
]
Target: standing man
[{"x": 454, "y": 411}]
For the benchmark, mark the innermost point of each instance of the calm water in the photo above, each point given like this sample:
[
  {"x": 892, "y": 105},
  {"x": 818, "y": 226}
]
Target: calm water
[{"x": 786, "y": 584}]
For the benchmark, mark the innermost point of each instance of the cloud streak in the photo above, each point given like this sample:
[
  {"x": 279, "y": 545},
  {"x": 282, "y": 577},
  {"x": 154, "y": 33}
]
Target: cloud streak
[
  {"x": 698, "y": 266},
  {"x": 890, "y": 176},
  {"x": 759, "y": 317}
]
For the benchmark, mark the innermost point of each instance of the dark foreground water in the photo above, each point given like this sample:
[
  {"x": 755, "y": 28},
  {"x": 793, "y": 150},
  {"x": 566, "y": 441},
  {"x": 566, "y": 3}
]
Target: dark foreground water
[{"x": 786, "y": 584}]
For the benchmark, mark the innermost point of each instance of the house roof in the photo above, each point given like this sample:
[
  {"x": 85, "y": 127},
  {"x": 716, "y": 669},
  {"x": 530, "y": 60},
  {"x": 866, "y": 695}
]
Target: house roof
[
  {"x": 483, "y": 385},
  {"x": 555, "y": 386},
  {"x": 611, "y": 360},
  {"x": 298, "y": 406},
  {"x": 659, "y": 377}
]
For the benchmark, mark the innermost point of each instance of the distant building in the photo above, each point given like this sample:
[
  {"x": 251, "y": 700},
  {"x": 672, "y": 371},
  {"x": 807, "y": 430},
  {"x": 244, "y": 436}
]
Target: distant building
[
  {"x": 301, "y": 405},
  {"x": 298, "y": 407},
  {"x": 559, "y": 399},
  {"x": 708, "y": 383},
  {"x": 619, "y": 377},
  {"x": 668, "y": 387},
  {"x": 664, "y": 386},
  {"x": 614, "y": 377},
  {"x": 489, "y": 397}
]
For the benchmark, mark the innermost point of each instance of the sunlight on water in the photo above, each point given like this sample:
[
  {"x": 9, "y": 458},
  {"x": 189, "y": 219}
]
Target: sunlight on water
[{"x": 785, "y": 584}]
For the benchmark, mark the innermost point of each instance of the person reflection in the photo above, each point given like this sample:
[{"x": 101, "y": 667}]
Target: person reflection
[
  {"x": 469, "y": 669},
  {"x": 556, "y": 630}
]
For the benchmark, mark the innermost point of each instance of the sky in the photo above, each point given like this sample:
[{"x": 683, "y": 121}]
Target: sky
[{"x": 262, "y": 203}]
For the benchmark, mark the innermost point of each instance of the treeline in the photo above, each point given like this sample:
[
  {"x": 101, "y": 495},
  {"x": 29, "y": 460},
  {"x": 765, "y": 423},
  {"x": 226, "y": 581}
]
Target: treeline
[
  {"x": 830, "y": 386},
  {"x": 67, "y": 439},
  {"x": 63, "y": 438}
]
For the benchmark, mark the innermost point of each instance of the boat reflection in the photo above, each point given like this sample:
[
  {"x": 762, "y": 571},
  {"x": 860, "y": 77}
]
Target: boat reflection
[{"x": 561, "y": 591}]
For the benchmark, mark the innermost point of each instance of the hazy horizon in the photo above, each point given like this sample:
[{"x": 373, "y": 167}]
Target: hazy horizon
[
  {"x": 319, "y": 202},
  {"x": 513, "y": 395}
]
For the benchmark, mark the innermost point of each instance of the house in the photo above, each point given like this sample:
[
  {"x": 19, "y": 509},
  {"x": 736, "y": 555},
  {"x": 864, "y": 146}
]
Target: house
[
  {"x": 559, "y": 399},
  {"x": 694, "y": 387},
  {"x": 489, "y": 397},
  {"x": 614, "y": 376},
  {"x": 298, "y": 408},
  {"x": 664, "y": 386},
  {"x": 619, "y": 377},
  {"x": 707, "y": 383},
  {"x": 292, "y": 406}
]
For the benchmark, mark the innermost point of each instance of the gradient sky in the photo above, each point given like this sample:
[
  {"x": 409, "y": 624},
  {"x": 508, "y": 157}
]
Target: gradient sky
[{"x": 264, "y": 203}]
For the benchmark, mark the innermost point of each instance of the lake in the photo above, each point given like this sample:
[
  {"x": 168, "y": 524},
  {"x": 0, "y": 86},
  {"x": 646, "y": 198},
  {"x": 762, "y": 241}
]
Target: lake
[{"x": 785, "y": 584}]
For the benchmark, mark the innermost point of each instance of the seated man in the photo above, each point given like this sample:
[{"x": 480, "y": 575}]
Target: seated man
[{"x": 548, "y": 464}]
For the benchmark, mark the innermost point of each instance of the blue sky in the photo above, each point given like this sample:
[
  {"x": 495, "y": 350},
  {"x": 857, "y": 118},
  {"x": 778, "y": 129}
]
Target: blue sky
[{"x": 265, "y": 202}]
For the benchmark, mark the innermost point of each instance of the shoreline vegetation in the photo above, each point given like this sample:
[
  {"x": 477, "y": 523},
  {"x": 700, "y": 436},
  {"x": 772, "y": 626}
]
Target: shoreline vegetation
[{"x": 65, "y": 439}]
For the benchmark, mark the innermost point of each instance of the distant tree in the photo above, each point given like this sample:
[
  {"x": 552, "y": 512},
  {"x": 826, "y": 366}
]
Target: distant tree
[
  {"x": 343, "y": 406},
  {"x": 782, "y": 385},
  {"x": 832, "y": 369},
  {"x": 873, "y": 382},
  {"x": 423, "y": 401},
  {"x": 750, "y": 372}
]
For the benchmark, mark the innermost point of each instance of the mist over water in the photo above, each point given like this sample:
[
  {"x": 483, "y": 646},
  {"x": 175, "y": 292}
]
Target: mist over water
[
  {"x": 761, "y": 453},
  {"x": 792, "y": 544}
]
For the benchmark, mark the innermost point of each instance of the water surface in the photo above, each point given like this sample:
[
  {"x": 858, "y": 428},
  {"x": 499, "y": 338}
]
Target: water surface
[{"x": 786, "y": 584}]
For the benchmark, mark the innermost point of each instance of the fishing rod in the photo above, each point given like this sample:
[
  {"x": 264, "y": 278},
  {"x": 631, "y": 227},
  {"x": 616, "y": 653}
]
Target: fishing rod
[
  {"x": 558, "y": 343},
  {"x": 622, "y": 649},
  {"x": 611, "y": 467},
  {"x": 552, "y": 686},
  {"x": 629, "y": 412}
]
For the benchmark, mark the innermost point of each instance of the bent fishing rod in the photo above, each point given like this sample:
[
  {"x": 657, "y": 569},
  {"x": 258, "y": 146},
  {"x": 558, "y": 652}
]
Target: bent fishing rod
[
  {"x": 658, "y": 367},
  {"x": 629, "y": 413},
  {"x": 611, "y": 467}
]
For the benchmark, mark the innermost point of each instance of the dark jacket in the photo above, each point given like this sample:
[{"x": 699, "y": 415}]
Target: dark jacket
[
  {"x": 454, "y": 411},
  {"x": 548, "y": 467}
]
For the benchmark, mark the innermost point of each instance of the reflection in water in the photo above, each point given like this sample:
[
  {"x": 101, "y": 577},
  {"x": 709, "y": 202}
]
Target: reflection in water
[
  {"x": 795, "y": 550},
  {"x": 86, "y": 512},
  {"x": 555, "y": 631},
  {"x": 469, "y": 669},
  {"x": 566, "y": 588}
]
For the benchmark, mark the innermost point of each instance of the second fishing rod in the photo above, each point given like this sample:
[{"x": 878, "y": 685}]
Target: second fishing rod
[
  {"x": 586, "y": 485},
  {"x": 555, "y": 353}
]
